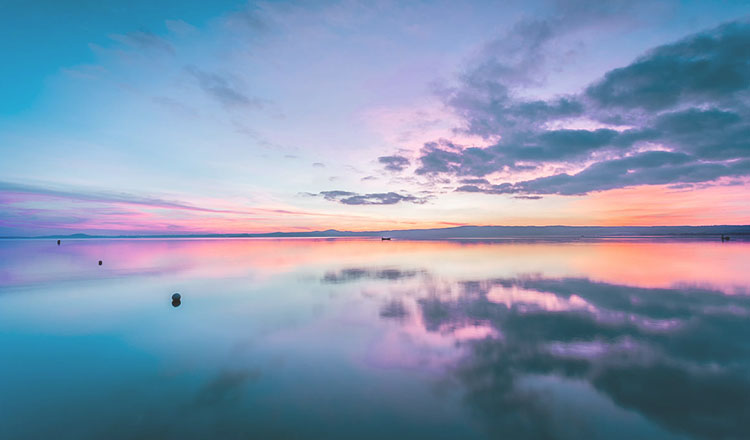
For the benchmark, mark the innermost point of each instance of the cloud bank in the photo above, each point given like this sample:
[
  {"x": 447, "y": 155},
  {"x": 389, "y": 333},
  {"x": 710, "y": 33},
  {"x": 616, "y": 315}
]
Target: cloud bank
[{"x": 679, "y": 114}]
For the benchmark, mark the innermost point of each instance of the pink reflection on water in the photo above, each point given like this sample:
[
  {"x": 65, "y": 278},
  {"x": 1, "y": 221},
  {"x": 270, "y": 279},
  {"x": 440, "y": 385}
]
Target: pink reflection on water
[
  {"x": 710, "y": 264},
  {"x": 515, "y": 296},
  {"x": 473, "y": 332},
  {"x": 411, "y": 345},
  {"x": 716, "y": 265}
]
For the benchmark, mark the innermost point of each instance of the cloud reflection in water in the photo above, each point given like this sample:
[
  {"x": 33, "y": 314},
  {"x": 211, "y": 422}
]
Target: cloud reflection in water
[
  {"x": 679, "y": 357},
  {"x": 422, "y": 339}
]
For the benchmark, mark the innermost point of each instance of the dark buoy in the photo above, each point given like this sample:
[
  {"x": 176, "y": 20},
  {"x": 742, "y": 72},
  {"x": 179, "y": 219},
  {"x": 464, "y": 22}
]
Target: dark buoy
[
  {"x": 176, "y": 300},
  {"x": 58, "y": 242},
  {"x": 100, "y": 262}
]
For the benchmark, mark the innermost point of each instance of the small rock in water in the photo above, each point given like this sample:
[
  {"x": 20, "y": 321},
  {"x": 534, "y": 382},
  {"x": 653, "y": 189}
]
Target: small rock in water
[
  {"x": 176, "y": 297},
  {"x": 100, "y": 262}
]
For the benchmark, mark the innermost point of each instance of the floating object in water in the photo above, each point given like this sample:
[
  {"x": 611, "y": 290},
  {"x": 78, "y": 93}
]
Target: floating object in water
[
  {"x": 724, "y": 237},
  {"x": 176, "y": 300},
  {"x": 385, "y": 238},
  {"x": 100, "y": 262},
  {"x": 58, "y": 242}
]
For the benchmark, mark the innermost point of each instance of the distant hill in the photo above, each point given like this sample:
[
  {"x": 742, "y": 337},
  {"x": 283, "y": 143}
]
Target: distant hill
[{"x": 471, "y": 232}]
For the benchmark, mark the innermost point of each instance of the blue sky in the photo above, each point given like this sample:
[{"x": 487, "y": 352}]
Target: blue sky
[{"x": 231, "y": 116}]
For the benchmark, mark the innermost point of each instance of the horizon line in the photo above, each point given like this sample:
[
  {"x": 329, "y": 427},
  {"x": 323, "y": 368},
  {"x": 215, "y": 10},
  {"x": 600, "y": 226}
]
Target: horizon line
[{"x": 367, "y": 233}]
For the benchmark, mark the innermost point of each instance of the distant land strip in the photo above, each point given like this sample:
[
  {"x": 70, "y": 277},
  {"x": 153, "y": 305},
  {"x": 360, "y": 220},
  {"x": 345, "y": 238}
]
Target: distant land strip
[{"x": 467, "y": 232}]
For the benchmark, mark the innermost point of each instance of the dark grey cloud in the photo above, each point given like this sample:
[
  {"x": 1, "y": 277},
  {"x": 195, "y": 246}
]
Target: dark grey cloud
[
  {"x": 707, "y": 68},
  {"x": 352, "y": 198},
  {"x": 711, "y": 134},
  {"x": 394, "y": 163},
  {"x": 519, "y": 150},
  {"x": 223, "y": 89},
  {"x": 474, "y": 181},
  {"x": 648, "y": 168},
  {"x": 472, "y": 189},
  {"x": 691, "y": 97},
  {"x": 446, "y": 157}
]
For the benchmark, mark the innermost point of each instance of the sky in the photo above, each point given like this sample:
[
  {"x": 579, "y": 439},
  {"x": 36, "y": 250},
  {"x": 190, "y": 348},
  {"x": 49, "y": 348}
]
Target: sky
[{"x": 232, "y": 116}]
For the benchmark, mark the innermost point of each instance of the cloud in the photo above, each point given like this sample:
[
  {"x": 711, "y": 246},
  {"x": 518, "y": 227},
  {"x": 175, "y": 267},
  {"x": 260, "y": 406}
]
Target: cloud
[
  {"x": 709, "y": 67},
  {"x": 180, "y": 27},
  {"x": 318, "y": 165},
  {"x": 648, "y": 168},
  {"x": 487, "y": 97},
  {"x": 389, "y": 198},
  {"x": 103, "y": 196},
  {"x": 690, "y": 99},
  {"x": 394, "y": 163},
  {"x": 251, "y": 18},
  {"x": 222, "y": 89},
  {"x": 474, "y": 181},
  {"x": 11, "y": 193},
  {"x": 145, "y": 40},
  {"x": 517, "y": 151}
]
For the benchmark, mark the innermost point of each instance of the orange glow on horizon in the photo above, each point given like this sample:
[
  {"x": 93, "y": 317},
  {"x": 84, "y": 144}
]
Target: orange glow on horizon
[
  {"x": 634, "y": 206},
  {"x": 662, "y": 206}
]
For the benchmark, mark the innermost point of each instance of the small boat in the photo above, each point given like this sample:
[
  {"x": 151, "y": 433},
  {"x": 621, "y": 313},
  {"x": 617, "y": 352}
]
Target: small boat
[{"x": 385, "y": 238}]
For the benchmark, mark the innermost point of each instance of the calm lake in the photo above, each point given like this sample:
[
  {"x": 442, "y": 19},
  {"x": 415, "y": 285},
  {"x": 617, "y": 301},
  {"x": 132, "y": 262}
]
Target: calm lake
[{"x": 358, "y": 338}]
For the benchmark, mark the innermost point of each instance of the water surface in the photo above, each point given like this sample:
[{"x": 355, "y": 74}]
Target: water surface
[{"x": 358, "y": 338}]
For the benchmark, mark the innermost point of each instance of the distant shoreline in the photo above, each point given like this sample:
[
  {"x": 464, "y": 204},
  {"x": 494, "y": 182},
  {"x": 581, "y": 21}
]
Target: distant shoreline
[{"x": 463, "y": 232}]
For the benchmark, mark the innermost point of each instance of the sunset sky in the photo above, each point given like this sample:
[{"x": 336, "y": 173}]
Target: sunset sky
[{"x": 230, "y": 116}]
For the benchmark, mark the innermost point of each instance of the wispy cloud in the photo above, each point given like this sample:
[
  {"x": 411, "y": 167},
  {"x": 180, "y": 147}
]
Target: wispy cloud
[
  {"x": 106, "y": 197},
  {"x": 14, "y": 194},
  {"x": 145, "y": 40},
  {"x": 223, "y": 89}
]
